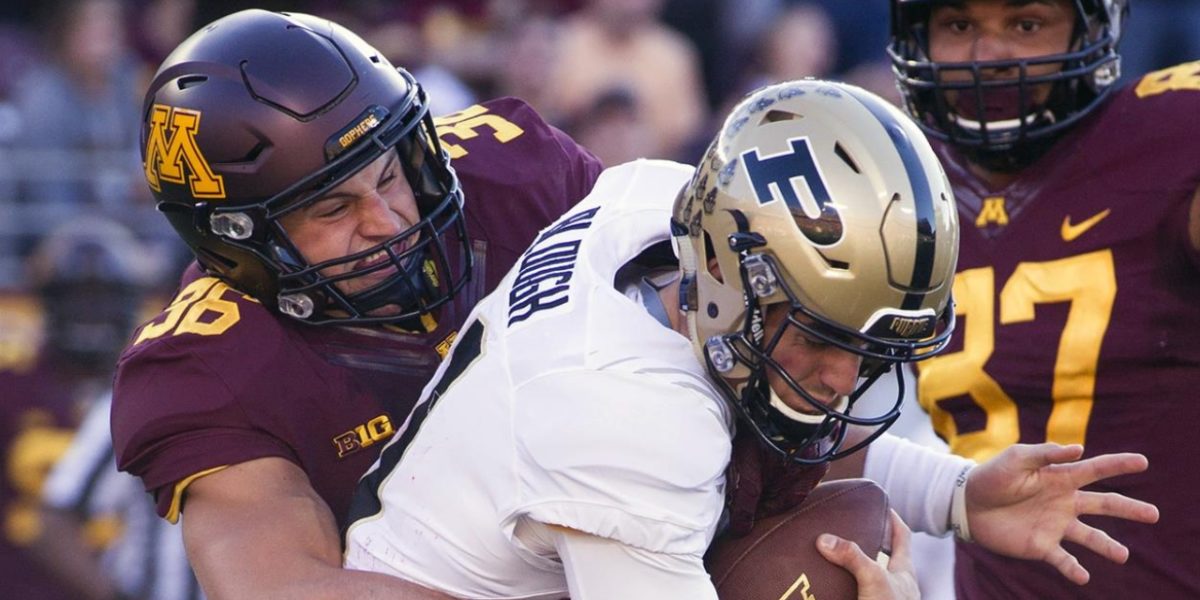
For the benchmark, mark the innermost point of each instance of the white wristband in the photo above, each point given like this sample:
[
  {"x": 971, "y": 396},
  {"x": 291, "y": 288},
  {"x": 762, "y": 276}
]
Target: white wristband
[
  {"x": 958, "y": 506},
  {"x": 920, "y": 481}
]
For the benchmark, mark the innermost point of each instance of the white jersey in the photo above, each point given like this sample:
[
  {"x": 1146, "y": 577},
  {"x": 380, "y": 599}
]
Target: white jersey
[{"x": 563, "y": 402}]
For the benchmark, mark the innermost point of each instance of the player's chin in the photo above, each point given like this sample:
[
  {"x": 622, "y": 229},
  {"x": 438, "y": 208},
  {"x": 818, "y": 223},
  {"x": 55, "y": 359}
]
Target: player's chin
[
  {"x": 803, "y": 406},
  {"x": 389, "y": 310}
]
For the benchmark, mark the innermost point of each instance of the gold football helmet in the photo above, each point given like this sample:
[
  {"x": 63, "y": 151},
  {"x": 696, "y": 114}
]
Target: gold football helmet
[{"x": 825, "y": 197}]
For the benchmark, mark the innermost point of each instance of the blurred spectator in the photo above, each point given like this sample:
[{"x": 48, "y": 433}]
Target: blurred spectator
[
  {"x": 75, "y": 147},
  {"x": 448, "y": 45},
  {"x": 708, "y": 25},
  {"x": 620, "y": 43},
  {"x": 613, "y": 128},
  {"x": 415, "y": 48},
  {"x": 158, "y": 26},
  {"x": 88, "y": 277},
  {"x": 862, "y": 30},
  {"x": 876, "y": 76},
  {"x": 17, "y": 56},
  {"x": 801, "y": 42},
  {"x": 529, "y": 47},
  {"x": 80, "y": 113},
  {"x": 1159, "y": 34}
]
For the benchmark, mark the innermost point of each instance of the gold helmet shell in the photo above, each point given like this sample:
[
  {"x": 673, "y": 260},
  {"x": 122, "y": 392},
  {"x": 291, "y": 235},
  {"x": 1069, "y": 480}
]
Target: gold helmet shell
[{"x": 824, "y": 196}]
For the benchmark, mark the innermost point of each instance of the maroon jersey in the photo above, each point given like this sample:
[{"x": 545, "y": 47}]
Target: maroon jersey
[
  {"x": 1079, "y": 320},
  {"x": 39, "y": 411},
  {"x": 217, "y": 379}
]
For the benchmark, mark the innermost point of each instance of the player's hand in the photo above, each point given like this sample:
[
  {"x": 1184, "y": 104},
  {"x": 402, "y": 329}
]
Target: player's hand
[
  {"x": 897, "y": 581},
  {"x": 1024, "y": 502},
  {"x": 761, "y": 483}
]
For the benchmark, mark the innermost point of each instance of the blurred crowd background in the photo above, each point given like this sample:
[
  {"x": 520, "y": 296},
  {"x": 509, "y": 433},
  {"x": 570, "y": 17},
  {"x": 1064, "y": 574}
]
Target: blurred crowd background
[{"x": 84, "y": 255}]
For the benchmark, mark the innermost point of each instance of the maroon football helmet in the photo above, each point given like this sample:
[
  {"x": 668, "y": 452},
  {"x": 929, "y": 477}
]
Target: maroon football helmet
[{"x": 259, "y": 114}]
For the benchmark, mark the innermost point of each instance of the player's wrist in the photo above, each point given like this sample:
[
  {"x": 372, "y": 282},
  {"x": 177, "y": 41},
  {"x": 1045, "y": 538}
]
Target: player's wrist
[
  {"x": 920, "y": 482},
  {"x": 958, "y": 505}
]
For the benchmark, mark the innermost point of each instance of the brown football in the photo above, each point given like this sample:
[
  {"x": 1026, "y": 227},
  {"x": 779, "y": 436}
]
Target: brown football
[{"x": 778, "y": 559}]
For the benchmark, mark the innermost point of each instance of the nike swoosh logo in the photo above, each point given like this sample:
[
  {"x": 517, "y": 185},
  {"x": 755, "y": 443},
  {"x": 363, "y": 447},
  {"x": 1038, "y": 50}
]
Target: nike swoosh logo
[{"x": 1070, "y": 232}]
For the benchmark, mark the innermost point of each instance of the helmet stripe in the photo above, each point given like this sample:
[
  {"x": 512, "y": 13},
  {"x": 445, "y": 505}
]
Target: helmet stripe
[{"x": 921, "y": 189}]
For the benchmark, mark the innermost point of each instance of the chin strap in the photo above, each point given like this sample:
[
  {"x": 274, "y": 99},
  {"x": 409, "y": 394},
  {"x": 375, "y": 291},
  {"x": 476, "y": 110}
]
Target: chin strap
[
  {"x": 681, "y": 242},
  {"x": 649, "y": 289}
]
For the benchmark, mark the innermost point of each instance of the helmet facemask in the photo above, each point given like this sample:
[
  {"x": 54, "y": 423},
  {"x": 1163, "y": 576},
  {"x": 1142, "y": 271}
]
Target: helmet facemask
[
  {"x": 815, "y": 435},
  {"x": 427, "y": 272}
]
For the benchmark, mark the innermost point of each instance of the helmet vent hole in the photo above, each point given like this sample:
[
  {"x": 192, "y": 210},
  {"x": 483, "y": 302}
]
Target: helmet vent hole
[
  {"x": 845, "y": 156},
  {"x": 774, "y": 116},
  {"x": 191, "y": 81},
  {"x": 253, "y": 154},
  {"x": 838, "y": 265},
  {"x": 375, "y": 59}
]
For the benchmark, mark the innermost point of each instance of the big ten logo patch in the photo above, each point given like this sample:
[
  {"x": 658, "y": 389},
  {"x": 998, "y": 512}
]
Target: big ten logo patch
[
  {"x": 170, "y": 145},
  {"x": 364, "y": 436}
]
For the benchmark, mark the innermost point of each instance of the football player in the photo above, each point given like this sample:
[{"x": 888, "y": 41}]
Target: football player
[
  {"x": 337, "y": 254},
  {"x": 1077, "y": 282},
  {"x": 89, "y": 276},
  {"x": 585, "y": 417},
  {"x": 587, "y": 412}
]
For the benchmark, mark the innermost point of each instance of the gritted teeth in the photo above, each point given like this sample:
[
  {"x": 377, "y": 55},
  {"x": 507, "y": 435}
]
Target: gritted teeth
[
  {"x": 382, "y": 255},
  {"x": 371, "y": 260}
]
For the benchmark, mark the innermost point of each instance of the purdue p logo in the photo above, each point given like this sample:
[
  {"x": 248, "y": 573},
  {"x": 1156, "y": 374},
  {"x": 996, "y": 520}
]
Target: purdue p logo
[
  {"x": 171, "y": 145},
  {"x": 788, "y": 175}
]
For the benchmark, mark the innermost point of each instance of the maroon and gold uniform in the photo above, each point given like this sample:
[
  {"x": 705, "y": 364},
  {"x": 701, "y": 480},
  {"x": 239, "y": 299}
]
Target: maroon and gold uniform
[
  {"x": 39, "y": 411},
  {"x": 1079, "y": 307},
  {"x": 217, "y": 379}
]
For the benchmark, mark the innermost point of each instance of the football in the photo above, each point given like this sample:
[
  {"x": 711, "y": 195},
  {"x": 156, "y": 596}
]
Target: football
[{"x": 778, "y": 559}]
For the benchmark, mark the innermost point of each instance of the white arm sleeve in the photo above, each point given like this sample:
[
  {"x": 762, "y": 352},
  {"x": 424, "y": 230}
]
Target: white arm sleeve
[
  {"x": 604, "y": 569},
  {"x": 920, "y": 481}
]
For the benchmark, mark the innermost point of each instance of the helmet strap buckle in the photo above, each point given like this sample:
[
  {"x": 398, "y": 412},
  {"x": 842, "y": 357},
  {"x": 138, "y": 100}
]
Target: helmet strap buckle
[
  {"x": 232, "y": 225},
  {"x": 300, "y": 306}
]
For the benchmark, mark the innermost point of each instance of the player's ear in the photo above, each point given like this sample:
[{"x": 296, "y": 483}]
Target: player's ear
[{"x": 714, "y": 269}]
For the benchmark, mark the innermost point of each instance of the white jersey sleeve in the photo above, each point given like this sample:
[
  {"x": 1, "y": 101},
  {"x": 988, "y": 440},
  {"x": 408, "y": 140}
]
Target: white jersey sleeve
[
  {"x": 635, "y": 458},
  {"x": 597, "y": 568}
]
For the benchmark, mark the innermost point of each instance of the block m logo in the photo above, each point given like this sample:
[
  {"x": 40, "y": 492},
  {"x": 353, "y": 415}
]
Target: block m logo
[{"x": 167, "y": 153}]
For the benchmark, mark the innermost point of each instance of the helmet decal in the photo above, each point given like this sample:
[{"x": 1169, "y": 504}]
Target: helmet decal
[
  {"x": 370, "y": 119},
  {"x": 170, "y": 145},
  {"x": 779, "y": 175}
]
